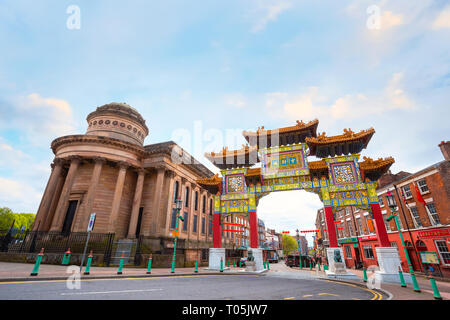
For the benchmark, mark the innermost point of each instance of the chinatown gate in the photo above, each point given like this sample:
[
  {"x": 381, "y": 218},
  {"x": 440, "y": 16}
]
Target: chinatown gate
[{"x": 339, "y": 179}]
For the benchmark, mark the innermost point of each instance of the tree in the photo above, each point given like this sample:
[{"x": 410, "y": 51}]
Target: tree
[
  {"x": 20, "y": 219},
  {"x": 290, "y": 245}
]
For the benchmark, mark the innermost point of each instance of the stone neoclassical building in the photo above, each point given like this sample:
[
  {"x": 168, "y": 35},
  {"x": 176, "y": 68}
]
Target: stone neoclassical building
[{"x": 130, "y": 186}]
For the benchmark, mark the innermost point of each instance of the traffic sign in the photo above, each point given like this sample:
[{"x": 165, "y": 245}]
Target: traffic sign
[{"x": 91, "y": 222}]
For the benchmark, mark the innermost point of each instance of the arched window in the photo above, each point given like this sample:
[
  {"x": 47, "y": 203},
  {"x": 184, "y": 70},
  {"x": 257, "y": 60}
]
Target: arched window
[
  {"x": 204, "y": 205},
  {"x": 210, "y": 206},
  {"x": 186, "y": 198},
  {"x": 175, "y": 191},
  {"x": 196, "y": 201},
  {"x": 421, "y": 245}
]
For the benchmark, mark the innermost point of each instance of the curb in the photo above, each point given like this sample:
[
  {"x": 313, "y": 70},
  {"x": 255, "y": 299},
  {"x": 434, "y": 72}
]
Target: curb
[
  {"x": 124, "y": 276},
  {"x": 382, "y": 291}
]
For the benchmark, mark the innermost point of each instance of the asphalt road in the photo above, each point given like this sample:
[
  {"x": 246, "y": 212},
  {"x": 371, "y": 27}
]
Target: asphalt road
[{"x": 201, "y": 287}]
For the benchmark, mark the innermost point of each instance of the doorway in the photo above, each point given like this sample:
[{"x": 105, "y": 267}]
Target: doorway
[{"x": 69, "y": 217}]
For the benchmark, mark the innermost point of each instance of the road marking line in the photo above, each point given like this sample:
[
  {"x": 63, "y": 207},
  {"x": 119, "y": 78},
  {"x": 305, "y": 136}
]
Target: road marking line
[
  {"x": 140, "y": 278},
  {"x": 103, "y": 292},
  {"x": 376, "y": 295},
  {"x": 329, "y": 294},
  {"x": 289, "y": 298},
  {"x": 308, "y": 295}
]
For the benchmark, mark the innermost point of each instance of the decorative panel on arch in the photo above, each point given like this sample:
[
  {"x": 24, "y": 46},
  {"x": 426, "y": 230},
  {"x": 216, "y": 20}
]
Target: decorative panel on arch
[
  {"x": 285, "y": 161},
  {"x": 349, "y": 198},
  {"x": 235, "y": 206},
  {"x": 344, "y": 171}
]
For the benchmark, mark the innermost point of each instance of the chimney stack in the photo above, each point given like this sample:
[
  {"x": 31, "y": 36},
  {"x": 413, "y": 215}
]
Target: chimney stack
[{"x": 445, "y": 149}]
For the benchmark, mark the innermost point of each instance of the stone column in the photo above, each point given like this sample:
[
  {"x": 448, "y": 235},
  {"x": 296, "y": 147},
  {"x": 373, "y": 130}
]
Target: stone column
[
  {"x": 44, "y": 207},
  {"x": 157, "y": 200},
  {"x": 54, "y": 203},
  {"x": 123, "y": 166},
  {"x": 65, "y": 193},
  {"x": 136, "y": 204},
  {"x": 89, "y": 201},
  {"x": 170, "y": 203}
]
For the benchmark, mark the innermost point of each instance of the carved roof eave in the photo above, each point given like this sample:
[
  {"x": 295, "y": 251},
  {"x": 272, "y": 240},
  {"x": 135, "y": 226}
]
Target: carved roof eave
[
  {"x": 211, "y": 181},
  {"x": 91, "y": 139},
  {"x": 348, "y": 136},
  {"x": 300, "y": 127},
  {"x": 229, "y": 158},
  {"x": 381, "y": 165}
]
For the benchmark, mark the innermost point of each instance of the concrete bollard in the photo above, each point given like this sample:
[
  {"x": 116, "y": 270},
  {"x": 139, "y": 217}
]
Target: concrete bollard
[
  {"x": 402, "y": 279},
  {"x": 88, "y": 264},
  {"x": 196, "y": 266},
  {"x": 436, "y": 293},
  {"x": 120, "y": 265},
  {"x": 149, "y": 266},
  {"x": 38, "y": 263},
  {"x": 66, "y": 257}
]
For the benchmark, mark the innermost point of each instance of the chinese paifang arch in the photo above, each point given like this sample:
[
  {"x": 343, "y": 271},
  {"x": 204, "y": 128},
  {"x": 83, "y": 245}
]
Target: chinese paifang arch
[{"x": 339, "y": 178}]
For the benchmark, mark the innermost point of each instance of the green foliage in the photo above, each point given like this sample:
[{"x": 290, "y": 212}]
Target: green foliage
[
  {"x": 290, "y": 245},
  {"x": 20, "y": 219}
]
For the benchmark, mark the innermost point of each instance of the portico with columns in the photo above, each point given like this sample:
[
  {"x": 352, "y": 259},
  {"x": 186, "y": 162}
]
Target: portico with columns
[{"x": 130, "y": 186}]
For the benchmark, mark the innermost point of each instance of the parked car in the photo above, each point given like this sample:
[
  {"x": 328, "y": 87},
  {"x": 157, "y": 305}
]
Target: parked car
[
  {"x": 292, "y": 260},
  {"x": 272, "y": 260}
]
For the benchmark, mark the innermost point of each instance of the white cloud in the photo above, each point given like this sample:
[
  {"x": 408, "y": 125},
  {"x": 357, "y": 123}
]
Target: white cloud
[
  {"x": 269, "y": 11},
  {"x": 390, "y": 19},
  {"x": 237, "y": 100},
  {"x": 41, "y": 119},
  {"x": 442, "y": 20},
  {"x": 312, "y": 103},
  {"x": 18, "y": 196}
]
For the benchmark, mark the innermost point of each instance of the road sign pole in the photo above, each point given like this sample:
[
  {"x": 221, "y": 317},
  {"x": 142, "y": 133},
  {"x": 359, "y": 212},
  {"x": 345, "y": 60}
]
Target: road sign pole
[{"x": 84, "y": 251}]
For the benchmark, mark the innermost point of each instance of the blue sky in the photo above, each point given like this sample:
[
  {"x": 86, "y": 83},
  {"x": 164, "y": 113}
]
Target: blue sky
[{"x": 231, "y": 65}]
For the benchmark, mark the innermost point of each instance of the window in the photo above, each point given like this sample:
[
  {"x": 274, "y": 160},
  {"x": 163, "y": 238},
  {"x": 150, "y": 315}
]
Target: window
[
  {"x": 407, "y": 192},
  {"x": 394, "y": 244},
  {"x": 433, "y": 214},
  {"x": 185, "y": 223},
  {"x": 360, "y": 228},
  {"x": 348, "y": 252},
  {"x": 442, "y": 248},
  {"x": 387, "y": 224},
  {"x": 210, "y": 206},
  {"x": 175, "y": 191},
  {"x": 210, "y": 226},
  {"x": 347, "y": 211},
  {"x": 380, "y": 201},
  {"x": 196, "y": 201},
  {"x": 368, "y": 252},
  {"x": 194, "y": 225},
  {"x": 203, "y": 225},
  {"x": 173, "y": 220},
  {"x": 416, "y": 217},
  {"x": 204, "y": 205},
  {"x": 350, "y": 229},
  {"x": 186, "y": 198},
  {"x": 422, "y": 184}
]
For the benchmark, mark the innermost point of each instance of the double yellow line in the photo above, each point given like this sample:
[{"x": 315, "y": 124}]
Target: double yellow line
[{"x": 376, "y": 295}]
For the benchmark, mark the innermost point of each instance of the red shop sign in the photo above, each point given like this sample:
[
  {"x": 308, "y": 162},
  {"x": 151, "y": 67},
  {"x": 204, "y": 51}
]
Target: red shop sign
[
  {"x": 434, "y": 233},
  {"x": 373, "y": 237}
]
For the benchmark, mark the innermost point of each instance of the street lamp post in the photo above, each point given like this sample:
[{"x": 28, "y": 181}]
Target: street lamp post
[
  {"x": 299, "y": 249},
  {"x": 178, "y": 208},
  {"x": 392, "y": 205}
]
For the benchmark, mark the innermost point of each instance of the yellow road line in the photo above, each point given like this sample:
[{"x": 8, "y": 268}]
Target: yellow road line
[
  {"x": 289, "y": 298},
  {"x": 308, "y": 295},
  {"x": 328, "y": 294},
  {"x": 376, "y": 295},
  {"x": 115, "y": 279}
]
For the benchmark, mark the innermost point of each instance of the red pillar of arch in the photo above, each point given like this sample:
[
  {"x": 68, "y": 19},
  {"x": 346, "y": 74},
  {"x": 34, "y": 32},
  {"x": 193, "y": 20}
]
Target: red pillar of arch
[
  {"x": 217, "y": 232},
  {"x": 380, "y": 227},
  {"x": 331, "y": 229},
  {"x": 253, "y": 229}
]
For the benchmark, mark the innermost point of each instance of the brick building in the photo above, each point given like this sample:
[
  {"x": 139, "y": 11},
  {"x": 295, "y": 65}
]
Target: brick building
[
  {"x": 131, "y": 187},
  {"x": 425, "y": 225}
]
